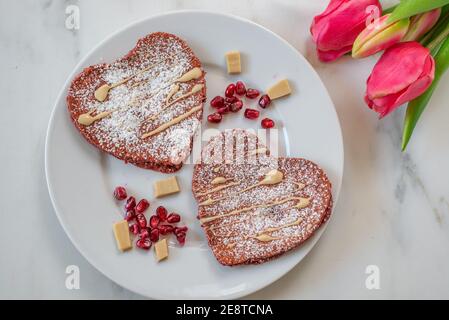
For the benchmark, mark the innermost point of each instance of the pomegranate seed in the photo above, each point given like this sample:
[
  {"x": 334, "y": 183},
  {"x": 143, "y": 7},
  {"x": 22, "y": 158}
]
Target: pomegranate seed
[
  {"x": 165, "y": 229},
  {"x": 252, "y": 93},
  {"x": 217, "y": 102},
  {"x": 214, "y": 117},
  {"x": 134, "y": 229},
  {"x": 120, "y": 193},
  {"x": 130, "y": 203},
  {"x": 161, "y": 213},
  {"x": 237, "y": 106},
  {"x": 267, "y": 123},
  {"x": 144, "y": 233},
  {"x": 179, "y": 230},
  {"x": 230, "y": 90},
  {"x": 251, "y": 113},
  {"x": 181, "y": 239},
  {"x": 224, "y": 109},
  {"x": 264, "y": 101},
  {"x": 231, "y": 100},
  {"x": 143, "y": 243},
  {"x": 141, "y": 220},
  {"x": 130, "y": 215},
  {"x": 142, "y": 206},
  {"x": 154, "y": 235},
  {"x": 154, "y": 221},
  {"x": 173, "y": 218},
  {"x": 240, "y": 88}
]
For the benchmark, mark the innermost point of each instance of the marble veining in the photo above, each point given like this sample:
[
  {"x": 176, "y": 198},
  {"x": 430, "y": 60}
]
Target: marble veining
[{"x": 393, "y": 209}]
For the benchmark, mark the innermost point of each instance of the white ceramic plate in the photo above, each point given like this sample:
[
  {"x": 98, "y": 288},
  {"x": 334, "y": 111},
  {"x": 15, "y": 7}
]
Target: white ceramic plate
[{"x": 81, "y": 178}]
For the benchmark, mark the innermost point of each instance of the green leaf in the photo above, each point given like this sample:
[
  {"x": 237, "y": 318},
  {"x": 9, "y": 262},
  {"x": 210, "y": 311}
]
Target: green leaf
[
  {"x": 438, "y": 28},
  {"x": 416, "y": 107},
  {"x": 389, "y": 10},
  {"x": 409, "y": 8}
]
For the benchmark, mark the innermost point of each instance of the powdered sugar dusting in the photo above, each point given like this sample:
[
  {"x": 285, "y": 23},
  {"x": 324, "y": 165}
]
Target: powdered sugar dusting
[
  {"x": 167, "y": 58},
  {"x": 232, "y": 237}
]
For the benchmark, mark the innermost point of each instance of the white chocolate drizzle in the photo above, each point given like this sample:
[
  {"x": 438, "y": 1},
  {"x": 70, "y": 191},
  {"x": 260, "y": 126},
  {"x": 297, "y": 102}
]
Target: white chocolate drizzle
[
  {"x": 172, "y": 122},
  {"x": 250, "y": 208}
]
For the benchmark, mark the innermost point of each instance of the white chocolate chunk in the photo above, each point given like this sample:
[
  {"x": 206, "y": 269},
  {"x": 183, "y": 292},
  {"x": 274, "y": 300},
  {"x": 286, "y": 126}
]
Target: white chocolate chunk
[
  {"x": 166, "y": 187},
  {"x": 280, "y": 89},
  {"x": 233, "y": 62},
  {"x": 121, "y": 233},
  {"x": 161, "y": 249}
]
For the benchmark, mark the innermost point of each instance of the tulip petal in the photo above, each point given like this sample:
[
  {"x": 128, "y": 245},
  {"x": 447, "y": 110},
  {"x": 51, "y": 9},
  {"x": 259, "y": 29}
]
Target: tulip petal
[
  {"x": 421, "y": 24},
  {"x": 335, "y": 30},
  {"x": 398, "y": 68},
  {"x": 328, "y": 56},
  {"x": 396, "y": 79},
  {"x": 375, "y": 39},
  {"x": 418, "y": 87}
]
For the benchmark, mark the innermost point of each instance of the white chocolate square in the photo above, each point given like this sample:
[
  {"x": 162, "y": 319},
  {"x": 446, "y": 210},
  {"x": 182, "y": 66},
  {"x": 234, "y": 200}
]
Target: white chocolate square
[
  {"x": 121, "y": 233},
  {"x": 233, "y": 62},
  {"x": 161, "y": 249},
  {"x": 166, "y": 187},
  {"x": 280, "y": 89}
]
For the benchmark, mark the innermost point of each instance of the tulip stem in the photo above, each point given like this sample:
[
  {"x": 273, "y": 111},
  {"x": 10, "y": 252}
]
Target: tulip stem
[
  {"x": 443, "y": 21},
  {"x": 416, "y": 107},
  {"x": 439, "y": 38}
]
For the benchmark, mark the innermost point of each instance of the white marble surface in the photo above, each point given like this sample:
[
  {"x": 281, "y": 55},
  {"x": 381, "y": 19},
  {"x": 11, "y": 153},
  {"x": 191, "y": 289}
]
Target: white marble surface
[{"x": 393, "y": 211}]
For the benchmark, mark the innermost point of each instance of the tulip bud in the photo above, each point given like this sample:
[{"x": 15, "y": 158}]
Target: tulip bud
[
  {"x": 335, "y": 30},
  {"x": 421, "y": 24},
  {"x": 379, "y": 36},
  {"x": 404, "y": 72}
]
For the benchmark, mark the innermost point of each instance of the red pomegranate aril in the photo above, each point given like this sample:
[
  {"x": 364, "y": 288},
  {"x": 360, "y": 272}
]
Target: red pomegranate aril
[
  {"x": 134, "y": 229},
  {"x": 154, "y": 221},
  {"x": 161, "y": 213},
  {"x": 142, "y": 206},
  {"x": 224, "y": 109},
  {"x": 144, "y": 233},
  {"x": 154, "y": 235},
  {"x": 181, "y": 239},
  {"x": 214, "y": 117},
  {"x": 231, "y": 100},
  {"x": 165, "y": 229},
  {"x": 179, "y": 230},
  {"x": 144, "y": 243},
  {"x": 141, "y": 220},
  {"x": 251, "y": 113},
  {"x": 173, "y": 218},
  {"x": 130, "y": 203},
  {"x": 240, "y": 88},
  {"x": 237, "y": 106},
  {"x": 264, "y": 101},
  {"x": 130, "y": 215},
  {"x": 120, "y": 193},
  {"x": 230, "y": 90},
  {"x": 217, "y": 102},
  {"x": 252, "y": 93},
  {"x": 267, "y": 123}
]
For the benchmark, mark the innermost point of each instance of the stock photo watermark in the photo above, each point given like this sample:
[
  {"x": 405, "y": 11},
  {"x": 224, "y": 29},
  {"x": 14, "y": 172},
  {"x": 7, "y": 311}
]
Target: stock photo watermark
[
  {"x": 72, "y": 21},
  {"x": 72, "y": 281},
  {"x": 372, "y": 281},
  {"x": 373, "y": 22}
]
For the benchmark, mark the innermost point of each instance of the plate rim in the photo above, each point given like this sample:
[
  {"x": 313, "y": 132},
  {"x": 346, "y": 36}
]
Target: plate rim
[{"x": 75, "y": 70}]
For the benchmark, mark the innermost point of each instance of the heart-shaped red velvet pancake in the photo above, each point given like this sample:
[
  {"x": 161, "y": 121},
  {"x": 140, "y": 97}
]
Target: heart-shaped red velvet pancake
[
  {"x": 145, "y": 107},
  {"x": 253, "y": 210}
]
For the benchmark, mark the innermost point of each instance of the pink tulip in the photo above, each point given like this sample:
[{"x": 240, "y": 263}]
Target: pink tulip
[
  {"x": 403, "y": 73},
  {"x": 379, "y": 37},
  {"x": 335, "y": 30},
  {"x": 421, "y": 24}
]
